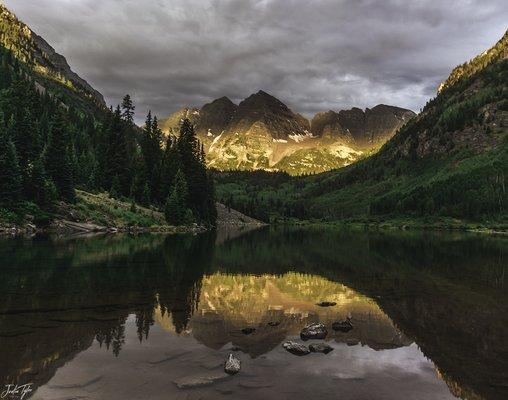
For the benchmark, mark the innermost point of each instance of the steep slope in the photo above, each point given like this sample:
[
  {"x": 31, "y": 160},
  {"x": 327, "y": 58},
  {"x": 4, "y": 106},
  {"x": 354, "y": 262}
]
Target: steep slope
[
  {"x": 49, "y": 68},
  {"x": 171, "y": 124},
  {"x": 215, "y": 117},
  {"x": 264, "y": 114},
  {"x": 451, "y": 160},
  {"x": 258, "y": 129},
  {"x": 373, "y": 127},
  {"x": 263, "y": 133}
]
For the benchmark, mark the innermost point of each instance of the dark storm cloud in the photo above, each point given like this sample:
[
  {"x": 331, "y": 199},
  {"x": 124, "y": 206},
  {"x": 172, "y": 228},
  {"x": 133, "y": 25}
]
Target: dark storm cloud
[{"x": 314, "y": 55}]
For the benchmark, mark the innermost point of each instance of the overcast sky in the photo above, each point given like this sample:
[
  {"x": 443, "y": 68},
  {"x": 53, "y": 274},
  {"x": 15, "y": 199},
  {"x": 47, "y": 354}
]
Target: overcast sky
[{"x": 314, "y": 55}]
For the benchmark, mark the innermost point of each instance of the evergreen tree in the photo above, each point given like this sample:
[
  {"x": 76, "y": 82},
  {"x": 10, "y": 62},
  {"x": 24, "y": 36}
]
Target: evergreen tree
[
  {"x": 57, "y": 156},
  {"x": 176, "y": 211},
  {"x": 10, "y": 175},
  {"x": 42, "y": 190},
  {"x": 170, "y": 164},
  {"x": 118, "y": 160},
  {"x": 128, "y": 110},
  {"x": 151, "y": 147},
  {"x": 200, "y": 200}
]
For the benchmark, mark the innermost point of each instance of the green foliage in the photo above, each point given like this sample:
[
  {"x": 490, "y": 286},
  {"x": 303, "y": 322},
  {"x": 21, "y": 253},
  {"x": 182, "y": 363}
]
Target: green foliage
[
  {"x": 10, "y": 175},
  {"x": 57, "y": 157},
  {"x": 176, "y": 211},
  {"x": 51, "y": 144}
]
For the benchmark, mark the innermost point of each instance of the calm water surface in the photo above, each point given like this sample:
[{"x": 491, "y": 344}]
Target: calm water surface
[{"x": 154, "y": 317}]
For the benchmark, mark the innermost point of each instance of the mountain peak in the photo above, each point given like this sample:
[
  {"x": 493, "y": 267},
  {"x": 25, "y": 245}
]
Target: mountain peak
[{"x": 223, "y": 100}]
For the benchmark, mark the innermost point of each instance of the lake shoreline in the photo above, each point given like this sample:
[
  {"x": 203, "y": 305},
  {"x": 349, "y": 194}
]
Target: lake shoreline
[
  {"x": 70, "y": 228},
  {"x": 65, "y": 227},
  {"x": 408, "y": 225}
]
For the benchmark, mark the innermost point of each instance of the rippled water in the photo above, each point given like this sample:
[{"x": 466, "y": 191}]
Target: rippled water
[{"x": 154, "y": 317}]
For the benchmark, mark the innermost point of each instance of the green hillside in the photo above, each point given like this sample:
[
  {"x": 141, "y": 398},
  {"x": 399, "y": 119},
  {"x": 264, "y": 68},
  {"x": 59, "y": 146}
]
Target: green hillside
[
  {"x": 450, "y": 161},
  {"x": 56, "y": 136}
]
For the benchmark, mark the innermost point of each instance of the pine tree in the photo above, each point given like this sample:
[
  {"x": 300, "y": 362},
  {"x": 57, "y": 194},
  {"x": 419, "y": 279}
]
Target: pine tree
[
  {"x": 200, "y": 199},
  {"x": 10, "y": 175},
  {"x": 176, "y": 211},
  {"x": 57, "y": 156},
  {"x": 42, "y": 190},
  {"x": 128, "y": 110},
  {"x": 151, "y": 147},
  {"x": 118, "y": 160},
  {"x": 170, "y": 165}
]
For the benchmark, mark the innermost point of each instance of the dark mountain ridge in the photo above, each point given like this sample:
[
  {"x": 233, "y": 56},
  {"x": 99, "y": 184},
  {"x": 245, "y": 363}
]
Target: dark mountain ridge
[{"x": 42, "y": 60}]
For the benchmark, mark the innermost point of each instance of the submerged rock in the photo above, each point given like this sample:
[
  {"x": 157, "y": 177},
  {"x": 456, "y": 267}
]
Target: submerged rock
[
  {"x": 232, "y": 365},
  {"x": 296, "y": 348},
  {"x": 189, "y": 382},
  {"x": 343, "y": 326},
  {"x": 326, "y": 304},
  {"x": 248, "y": 331},
  {"x": 314, "y": 331},
  {"x": 320, "y": 348}
]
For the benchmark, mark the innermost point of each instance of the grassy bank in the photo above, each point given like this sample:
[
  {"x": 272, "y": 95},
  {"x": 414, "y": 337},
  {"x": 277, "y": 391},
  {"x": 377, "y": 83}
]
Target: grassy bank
[{"x": 90, "y": 213}]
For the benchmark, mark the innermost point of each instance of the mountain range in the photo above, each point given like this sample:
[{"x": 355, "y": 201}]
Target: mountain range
[
  {"x": 449, "y": 161},
  {"x": 263, "y": 133}
]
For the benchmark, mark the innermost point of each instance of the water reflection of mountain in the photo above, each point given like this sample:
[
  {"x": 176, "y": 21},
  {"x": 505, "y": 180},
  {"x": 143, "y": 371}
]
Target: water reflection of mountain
[
  {"x": 229, "y": 303},
  {"x": 446, "y": 292}
]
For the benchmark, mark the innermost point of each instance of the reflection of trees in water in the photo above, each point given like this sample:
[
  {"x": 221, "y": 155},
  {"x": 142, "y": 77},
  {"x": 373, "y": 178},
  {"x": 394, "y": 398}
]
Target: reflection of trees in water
[
  {"x": 445, "y": 291},
  {"x": 56, "y": 297},
  {"x": 112, "y": 336}
]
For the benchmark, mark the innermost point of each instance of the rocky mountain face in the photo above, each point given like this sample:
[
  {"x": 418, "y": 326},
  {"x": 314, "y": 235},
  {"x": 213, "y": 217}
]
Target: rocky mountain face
[
  {"x": 42, "y": 59},
  {"x": 263, "y": 133}
]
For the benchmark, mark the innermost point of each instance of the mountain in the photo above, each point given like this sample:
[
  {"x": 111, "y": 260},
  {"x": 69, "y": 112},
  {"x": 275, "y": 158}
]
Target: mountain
[
  {"x": 373, "y": 127},
  {"x": 263, "y": 133},
  {"x": 449, "y": 161},
  {"x": 51, "y": 69}
]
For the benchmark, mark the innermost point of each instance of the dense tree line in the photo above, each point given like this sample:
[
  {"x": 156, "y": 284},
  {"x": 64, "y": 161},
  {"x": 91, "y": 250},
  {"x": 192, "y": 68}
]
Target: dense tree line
[{"x": 48, "y": 149}]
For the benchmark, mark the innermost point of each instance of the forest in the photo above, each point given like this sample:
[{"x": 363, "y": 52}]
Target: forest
[{"x": 49, "y": 148}]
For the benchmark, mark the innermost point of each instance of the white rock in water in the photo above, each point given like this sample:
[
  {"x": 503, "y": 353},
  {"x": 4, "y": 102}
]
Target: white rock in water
[{"x": 232, "y": 365}]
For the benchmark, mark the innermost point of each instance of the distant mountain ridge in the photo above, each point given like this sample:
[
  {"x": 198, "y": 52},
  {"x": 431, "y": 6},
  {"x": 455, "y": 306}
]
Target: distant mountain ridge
[
  {"x": 264, "y": 133},
  {"x": 39, "y": 56}
]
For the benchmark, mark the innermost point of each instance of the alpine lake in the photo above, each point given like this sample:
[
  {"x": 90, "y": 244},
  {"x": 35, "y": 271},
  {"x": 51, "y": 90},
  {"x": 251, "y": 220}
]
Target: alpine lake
[{"x": 124, "y": 317}]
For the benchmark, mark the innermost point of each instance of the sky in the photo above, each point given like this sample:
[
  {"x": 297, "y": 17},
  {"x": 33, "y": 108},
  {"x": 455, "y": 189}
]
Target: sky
[{"x": 314, "y": 55}]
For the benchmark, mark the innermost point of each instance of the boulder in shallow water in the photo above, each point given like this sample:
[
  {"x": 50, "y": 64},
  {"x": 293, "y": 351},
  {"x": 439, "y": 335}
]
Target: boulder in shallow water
[
  {"x": 320, "y": 348},
  {"x": 314, "y": 331},
  {"x": 232, "y": 365},
  {"x": 296, "y": 348},
  {"x": 326, "y": 304},
  {"x": 343, "y": 326}
]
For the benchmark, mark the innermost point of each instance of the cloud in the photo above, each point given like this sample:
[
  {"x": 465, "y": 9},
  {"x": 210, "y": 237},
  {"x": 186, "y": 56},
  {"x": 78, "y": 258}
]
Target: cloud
[{"x": 313, "y": 55}]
